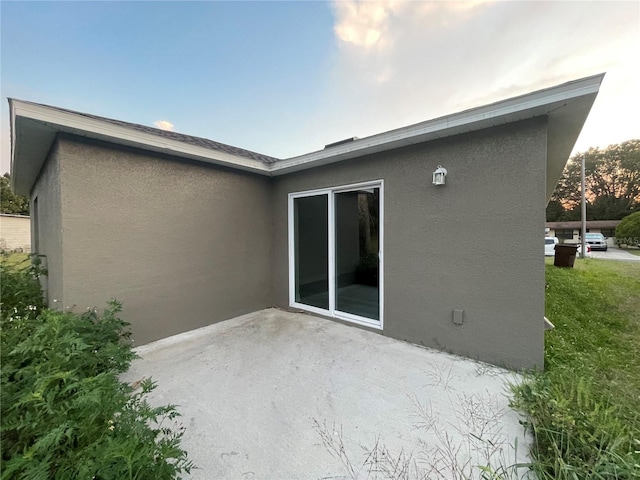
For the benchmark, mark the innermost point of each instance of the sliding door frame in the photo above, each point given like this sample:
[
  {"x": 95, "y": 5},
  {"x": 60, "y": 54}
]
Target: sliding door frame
[{"x": 332, "y": 311}]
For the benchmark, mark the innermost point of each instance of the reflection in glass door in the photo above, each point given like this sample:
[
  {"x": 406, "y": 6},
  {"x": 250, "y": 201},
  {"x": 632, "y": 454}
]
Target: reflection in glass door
[
  {"x": 310, "y": 220},
  {"x": 356, "y": 247}
]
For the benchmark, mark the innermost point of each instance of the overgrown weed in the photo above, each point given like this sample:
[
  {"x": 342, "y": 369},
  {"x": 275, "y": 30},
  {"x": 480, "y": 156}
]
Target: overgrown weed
[
  {"x": 65, "y": 413},
  {"x": 583, "y": 410}
]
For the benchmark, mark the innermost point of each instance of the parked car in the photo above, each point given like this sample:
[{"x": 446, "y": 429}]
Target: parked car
[
  {"x": 596, "y": 241},
  {"x": 550, "y": 246},
  {"x": 587, "y": 255}
]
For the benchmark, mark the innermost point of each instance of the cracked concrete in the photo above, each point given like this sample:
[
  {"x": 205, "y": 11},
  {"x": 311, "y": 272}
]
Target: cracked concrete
[{"x": 268, "y": 395}]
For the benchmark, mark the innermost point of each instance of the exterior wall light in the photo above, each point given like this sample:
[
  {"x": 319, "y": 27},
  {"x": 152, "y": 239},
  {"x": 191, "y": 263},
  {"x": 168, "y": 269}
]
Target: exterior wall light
[{"x": 439, "y": 174}]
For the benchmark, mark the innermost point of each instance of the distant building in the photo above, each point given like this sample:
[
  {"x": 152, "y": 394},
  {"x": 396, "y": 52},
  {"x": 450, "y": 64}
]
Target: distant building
[
  {"x": 569, "y": 232},
  {"x": 15, "y": 233}
]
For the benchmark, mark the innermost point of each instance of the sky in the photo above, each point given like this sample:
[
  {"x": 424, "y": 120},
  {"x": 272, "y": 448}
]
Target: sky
[{"x": 287, "y": 78}]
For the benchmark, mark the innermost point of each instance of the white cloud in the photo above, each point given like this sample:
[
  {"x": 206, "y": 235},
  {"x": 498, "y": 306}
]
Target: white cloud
[
  {"x": 164, "y": 125},
  {"x": 362, "y": 24},
  {"x": 403, "y": 62},
  {"x": 373, "y": 24}
]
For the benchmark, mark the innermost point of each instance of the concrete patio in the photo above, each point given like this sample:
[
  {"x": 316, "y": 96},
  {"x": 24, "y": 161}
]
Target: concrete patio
[{"x": 253, "y": 390}]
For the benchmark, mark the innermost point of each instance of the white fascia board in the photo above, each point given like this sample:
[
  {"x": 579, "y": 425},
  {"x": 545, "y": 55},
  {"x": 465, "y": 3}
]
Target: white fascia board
[
  {"x": 542, "y": 102},
  {"x": 526, "y": 106},
  {"x": 12, "y": 127},
  {"x": 72, "y": 123}
]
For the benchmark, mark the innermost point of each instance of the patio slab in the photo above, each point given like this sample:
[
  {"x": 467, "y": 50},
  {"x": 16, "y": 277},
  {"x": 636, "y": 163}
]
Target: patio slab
[{"x": 253, "y": 390}]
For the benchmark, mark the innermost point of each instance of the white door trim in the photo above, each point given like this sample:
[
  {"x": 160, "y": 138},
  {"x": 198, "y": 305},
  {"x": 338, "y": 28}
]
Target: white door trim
[{"x": 332, "y": 312}]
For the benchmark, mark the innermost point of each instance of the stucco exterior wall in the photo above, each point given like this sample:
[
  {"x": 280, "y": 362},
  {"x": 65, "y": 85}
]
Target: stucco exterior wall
[
  {"x": 46, "y": 225},
  {"x": 181, "y": 244},
  {"x": 473, "y": 244},
  {"x": 15, "y": 233}
]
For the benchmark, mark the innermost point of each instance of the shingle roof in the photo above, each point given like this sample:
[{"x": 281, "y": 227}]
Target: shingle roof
[{"x": 180, "y": 137}]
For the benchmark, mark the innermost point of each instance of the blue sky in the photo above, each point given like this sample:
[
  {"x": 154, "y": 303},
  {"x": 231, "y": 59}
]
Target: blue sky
[{"x": 285, "y": 78}]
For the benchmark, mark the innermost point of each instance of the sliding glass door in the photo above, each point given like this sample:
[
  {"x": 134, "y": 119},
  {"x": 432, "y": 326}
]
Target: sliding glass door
[
  {"x": 356, "y": 247},
  {"x": 312, "y": 251},
  {"x": 335, "y": 248}
]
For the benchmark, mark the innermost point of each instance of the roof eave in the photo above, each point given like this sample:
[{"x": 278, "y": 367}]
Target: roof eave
[
  {"x": 34, "y": 128},
  {"x": 548, "y": 102},
  {"x": 12, "y": 131}
]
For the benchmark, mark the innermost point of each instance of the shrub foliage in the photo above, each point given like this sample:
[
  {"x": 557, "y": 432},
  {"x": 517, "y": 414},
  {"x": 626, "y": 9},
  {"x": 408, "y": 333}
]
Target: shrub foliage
[
  {"x": 65, "y": 413},
  {"x": 628, "y": 230}
]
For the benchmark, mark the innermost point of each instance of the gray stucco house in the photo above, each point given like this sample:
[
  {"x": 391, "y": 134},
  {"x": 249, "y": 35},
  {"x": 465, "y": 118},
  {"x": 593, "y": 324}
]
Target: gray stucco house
[{"x": 187, "y": 231}]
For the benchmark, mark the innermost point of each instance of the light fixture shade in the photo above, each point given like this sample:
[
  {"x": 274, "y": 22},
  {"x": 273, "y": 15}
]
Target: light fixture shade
[{"x": 439, "y": 174}]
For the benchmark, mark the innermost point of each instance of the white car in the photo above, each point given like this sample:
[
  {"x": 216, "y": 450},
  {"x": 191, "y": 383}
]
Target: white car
[{"x": 550, "y": 246}]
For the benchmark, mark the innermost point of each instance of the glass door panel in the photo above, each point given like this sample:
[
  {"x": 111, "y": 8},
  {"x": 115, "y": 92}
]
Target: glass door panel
[
  {"x": 311, "y": 240},
  {"x": 357, "y": 221}
]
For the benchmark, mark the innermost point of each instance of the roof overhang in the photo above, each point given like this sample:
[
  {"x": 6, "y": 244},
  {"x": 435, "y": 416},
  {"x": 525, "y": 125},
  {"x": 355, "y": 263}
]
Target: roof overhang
[
  {"x": 34, "y": 128},
  {"x": 566, "y": 107}
]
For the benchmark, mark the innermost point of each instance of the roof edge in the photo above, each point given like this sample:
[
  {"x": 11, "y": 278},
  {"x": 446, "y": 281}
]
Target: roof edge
[
  {"x": 33, "y": 119},
  {"x": 56, "y": 120},
  {"x": 448, "y": 125}
]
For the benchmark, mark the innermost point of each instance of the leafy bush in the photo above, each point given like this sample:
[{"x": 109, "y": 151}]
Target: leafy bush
[
  {"x": 21, "y": 291},
  {"x": 65, "y": 414},
  {"x": 628, "y": 230},
  {"x": 367, "y": 269}
]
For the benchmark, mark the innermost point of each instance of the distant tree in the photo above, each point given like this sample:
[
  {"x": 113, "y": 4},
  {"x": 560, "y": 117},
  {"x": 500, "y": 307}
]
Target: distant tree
[
  {"x": 555, "y": 211},
  {"x": 567, "y": 192},
  {"x": 612, "y": 177},
  {"x": 628, "y": 230},
  {"x": 9, "y": 201},
  {"x": 610, "y": 208},
  {"x": 571, "y": 215}
]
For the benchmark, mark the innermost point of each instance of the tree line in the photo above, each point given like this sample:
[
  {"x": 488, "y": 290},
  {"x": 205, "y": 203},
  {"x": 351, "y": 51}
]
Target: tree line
[
  {"x": 9, "y": 201},
  {"x": 612, "y": 179}
]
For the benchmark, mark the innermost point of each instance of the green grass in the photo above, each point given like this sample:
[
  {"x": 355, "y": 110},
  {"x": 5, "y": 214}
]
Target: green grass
[
  {"x": 15, "y": 259},
  {"x": 584, "y": 409},
  {"x": 596, "y": 310}
]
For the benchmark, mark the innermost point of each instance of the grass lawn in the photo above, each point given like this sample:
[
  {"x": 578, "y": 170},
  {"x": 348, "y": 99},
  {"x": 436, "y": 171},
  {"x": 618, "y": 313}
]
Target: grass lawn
[
  {"x": 584, "y": 409},
  {"x": 16, "y": 259}
]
